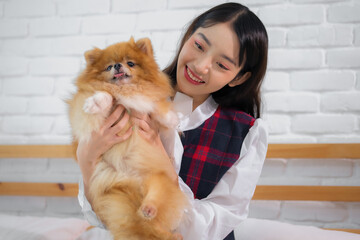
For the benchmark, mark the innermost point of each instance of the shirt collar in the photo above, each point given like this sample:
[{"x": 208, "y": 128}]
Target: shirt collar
[{"x": 192, "y": 119}]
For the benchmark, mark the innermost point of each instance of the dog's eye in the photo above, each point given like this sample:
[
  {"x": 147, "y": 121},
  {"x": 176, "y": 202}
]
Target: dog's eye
[
  {"x": 109, "y": 68},
  {"x": 130, "y": 64}
]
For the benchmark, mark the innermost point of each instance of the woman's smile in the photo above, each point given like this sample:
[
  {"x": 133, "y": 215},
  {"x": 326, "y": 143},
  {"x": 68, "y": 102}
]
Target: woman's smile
[{"x": 192, "y": 77}]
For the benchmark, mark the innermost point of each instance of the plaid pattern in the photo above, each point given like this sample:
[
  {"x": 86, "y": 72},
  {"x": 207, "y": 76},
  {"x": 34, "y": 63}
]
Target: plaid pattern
[{"x": 212, "y": 148}]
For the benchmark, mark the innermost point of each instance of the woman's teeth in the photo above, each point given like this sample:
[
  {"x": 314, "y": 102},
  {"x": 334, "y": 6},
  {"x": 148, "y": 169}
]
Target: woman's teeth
[{"x": 192, "y": 77}]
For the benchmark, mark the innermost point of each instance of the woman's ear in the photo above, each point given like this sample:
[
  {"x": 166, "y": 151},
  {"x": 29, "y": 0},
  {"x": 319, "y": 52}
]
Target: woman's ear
[{"x": 240, "y": 79}]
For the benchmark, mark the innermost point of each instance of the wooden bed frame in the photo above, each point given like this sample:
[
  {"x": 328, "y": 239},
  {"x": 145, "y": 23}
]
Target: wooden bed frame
[{"x": 263, "y": 192}]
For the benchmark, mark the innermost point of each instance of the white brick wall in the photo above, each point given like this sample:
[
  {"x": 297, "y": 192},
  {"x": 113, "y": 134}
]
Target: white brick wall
[
  {"x": 346, "y": 12},
  {"x": 35, "y": 8},
  {"x": 52, "y": 26},
  {"x": 288, "y": 15},
  {"x": 323, "y": 80},
  {"x": 283, "y": 59},
  {"x": 13, "y": 28},
  {"x": 315, "y": 36},
  {"x": 83, "y": 7},
  {"x": 311, "y": 91}
]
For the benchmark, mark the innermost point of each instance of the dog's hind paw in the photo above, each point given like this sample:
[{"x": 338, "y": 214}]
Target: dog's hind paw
[
  {"x": 100, "y": 102},
  {"x": 148, "y": 211}
]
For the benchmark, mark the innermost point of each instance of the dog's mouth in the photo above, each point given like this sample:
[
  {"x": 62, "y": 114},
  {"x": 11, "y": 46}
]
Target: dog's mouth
[{"x": 120, "y": 76}]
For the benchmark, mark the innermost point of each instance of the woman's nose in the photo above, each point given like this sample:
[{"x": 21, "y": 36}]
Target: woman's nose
[{"x": 203, "y": 64}]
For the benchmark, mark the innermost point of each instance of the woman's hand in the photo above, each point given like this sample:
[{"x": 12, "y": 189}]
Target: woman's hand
[
  {"x": 149, "y": 130},
  {"x": 89, "y": 152}
]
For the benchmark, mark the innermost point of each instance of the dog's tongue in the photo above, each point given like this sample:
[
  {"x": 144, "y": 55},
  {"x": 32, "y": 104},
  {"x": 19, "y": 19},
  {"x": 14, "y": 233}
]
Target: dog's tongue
[{"x": 119, "y": 75}]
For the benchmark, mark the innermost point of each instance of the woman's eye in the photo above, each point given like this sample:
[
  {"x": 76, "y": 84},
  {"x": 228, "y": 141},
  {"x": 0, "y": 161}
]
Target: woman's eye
[
  {"x": 109, "y": 68},
  {"x": 222, "y": 66},
  {"x": 130, "y": 64},
  {"x": 198, "y": 45}
]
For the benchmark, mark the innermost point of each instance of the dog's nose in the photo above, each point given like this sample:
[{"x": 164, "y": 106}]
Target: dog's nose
[{"x": 117, "y": 66}]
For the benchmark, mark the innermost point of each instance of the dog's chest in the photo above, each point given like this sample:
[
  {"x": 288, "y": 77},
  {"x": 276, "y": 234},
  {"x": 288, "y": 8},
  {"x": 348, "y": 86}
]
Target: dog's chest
[{"x": 137, "y": 102}]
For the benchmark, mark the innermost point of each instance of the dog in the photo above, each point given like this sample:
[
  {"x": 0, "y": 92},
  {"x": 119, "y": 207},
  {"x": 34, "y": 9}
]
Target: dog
[{"x": 130, "y": 189}]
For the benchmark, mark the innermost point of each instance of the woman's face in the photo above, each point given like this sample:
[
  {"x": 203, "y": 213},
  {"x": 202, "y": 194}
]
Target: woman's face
[{"x": 208, "y": 61}]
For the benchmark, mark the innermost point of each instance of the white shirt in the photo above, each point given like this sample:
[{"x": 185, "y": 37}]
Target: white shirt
[{"x": 215, "y": 216}]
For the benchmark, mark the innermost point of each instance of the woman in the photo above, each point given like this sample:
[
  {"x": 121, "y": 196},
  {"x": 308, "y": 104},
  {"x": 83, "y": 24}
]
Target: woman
[{"x": 217, "y": 73}]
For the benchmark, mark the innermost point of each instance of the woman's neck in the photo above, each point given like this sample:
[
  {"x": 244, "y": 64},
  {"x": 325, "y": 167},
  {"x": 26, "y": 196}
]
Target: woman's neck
[{"x": 197, "y": 101}]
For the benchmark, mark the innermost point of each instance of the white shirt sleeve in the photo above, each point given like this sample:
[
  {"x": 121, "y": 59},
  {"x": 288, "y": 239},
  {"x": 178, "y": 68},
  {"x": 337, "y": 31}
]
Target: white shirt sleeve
[
  {"x": 86, "y": 208},
  {"x": 215, "y": 216}
]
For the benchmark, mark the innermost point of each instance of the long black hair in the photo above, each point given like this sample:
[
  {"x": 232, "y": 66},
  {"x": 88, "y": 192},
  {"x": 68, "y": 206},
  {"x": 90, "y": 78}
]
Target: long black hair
[{"x": 253, "y": 41}]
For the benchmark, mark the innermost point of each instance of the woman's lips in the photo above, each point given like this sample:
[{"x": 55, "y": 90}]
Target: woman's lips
[{"x": 190, "y": 76}]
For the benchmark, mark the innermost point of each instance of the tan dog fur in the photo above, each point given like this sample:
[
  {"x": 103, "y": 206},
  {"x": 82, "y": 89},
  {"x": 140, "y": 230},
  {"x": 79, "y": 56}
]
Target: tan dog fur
[{"x": 130, "y": 190}]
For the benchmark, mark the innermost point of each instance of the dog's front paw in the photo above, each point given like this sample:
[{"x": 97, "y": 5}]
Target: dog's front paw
[
  {"x": 171, "y": 119},
  {"x": 100, "y": 102}
]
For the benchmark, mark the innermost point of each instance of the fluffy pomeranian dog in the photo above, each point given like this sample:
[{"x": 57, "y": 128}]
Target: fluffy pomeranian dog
[{"x": 130, "y": 191}]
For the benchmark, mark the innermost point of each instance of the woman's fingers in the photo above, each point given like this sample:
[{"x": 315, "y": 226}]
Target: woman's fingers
[
  {"x": 114, "y": 116},
  {"x": 124, "y": 136},
  {"x": 118, "y": 121},
  {"x": 142, "y": 120},
  {"x": 107, "y": 135},
  {"x": 147, "y": 128},
  {"x": 142, "y": 124},
  {"x": 118, "y": 127},
  {"x": 146, "y": 135}
]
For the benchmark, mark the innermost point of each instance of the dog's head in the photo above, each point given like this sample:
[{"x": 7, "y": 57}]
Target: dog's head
[{"x": 122, "y": 63}]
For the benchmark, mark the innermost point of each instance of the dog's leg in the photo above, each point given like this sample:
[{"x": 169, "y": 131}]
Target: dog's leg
[
  {"x": 163, "y": 234},
  {"x": 154, "y": 195},
  {"x": 165, "y": 115},
  {"x": 99, "y": 103}
]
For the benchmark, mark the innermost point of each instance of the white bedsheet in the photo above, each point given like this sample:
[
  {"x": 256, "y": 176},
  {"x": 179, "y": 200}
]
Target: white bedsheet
[
  {"x": 40, "y": 228},
  {"x": 47, "y": 228},
  {"x": 260, "y": 229}
]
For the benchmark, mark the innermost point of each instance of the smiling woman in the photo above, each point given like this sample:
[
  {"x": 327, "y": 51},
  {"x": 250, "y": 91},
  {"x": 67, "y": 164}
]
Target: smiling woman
[{"x": 217, "y": 159}]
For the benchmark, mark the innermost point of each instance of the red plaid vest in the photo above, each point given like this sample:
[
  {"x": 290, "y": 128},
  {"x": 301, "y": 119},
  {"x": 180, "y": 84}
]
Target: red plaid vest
[{"x": 212, "y": 148}]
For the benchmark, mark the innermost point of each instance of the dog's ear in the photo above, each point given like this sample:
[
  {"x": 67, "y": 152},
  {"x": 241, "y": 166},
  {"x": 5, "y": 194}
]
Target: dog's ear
[
  {"x": 132, "y": 40},
  {"x": 92, "y": 56},
  {"x": 144, "y": 44}
]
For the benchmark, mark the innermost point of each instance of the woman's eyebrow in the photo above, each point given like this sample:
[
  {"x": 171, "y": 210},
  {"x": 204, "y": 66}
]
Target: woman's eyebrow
[
  {"x": 209, "y": 43},
  {"x": 204, "y": 38},
  {"x": 229, "y": 59}
]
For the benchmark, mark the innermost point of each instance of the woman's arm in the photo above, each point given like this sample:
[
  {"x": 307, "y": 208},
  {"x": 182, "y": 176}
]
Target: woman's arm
[
  {"x": 89, "y": 152},
  {"x": 215, "y": 216}
]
